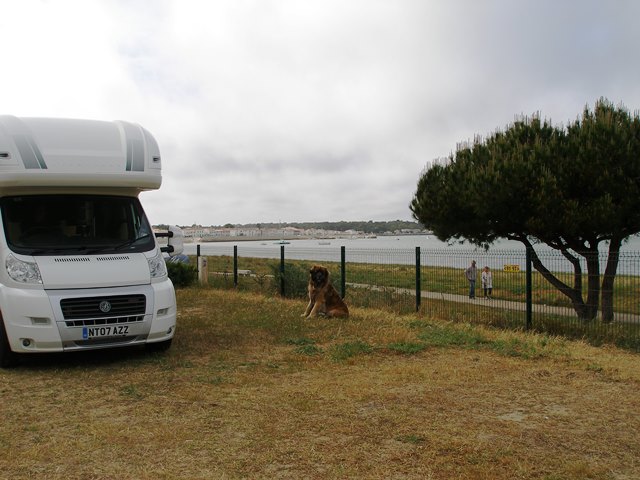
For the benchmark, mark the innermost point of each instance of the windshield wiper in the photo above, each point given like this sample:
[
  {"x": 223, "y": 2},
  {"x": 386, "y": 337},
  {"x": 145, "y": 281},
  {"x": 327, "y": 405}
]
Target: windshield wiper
[
  {"x": 128, "y": 243},
  {"x": 43, "y": 251}
]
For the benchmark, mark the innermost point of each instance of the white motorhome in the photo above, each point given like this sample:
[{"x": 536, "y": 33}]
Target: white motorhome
[{"x": 80, "y": 267}]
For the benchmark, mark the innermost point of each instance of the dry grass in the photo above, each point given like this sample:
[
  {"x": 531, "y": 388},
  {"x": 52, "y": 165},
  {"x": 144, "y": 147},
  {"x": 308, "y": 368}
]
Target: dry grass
[{"x": 250, "y": 390}]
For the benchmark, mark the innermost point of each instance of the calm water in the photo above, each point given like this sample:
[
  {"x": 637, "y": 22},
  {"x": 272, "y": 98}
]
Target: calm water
[
  {"x": 401, "y": 250},
  {"x": 403, "y": 242}
]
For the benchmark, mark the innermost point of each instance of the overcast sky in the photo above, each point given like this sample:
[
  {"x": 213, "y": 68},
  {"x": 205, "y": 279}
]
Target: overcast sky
[{"x": 311, "y": 110}]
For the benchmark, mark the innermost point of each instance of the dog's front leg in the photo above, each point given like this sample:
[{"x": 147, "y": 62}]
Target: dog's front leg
[
  {"x": 319, "y": 306},
  {"x": 308, "y": 310},
  {"x": 312, "y": 301},
  {"x": 317, "y": 310}
]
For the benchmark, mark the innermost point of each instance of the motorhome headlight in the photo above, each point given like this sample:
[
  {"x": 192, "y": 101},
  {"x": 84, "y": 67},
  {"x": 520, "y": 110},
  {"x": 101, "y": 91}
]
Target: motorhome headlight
[
  {"x": 157, "y": 267},
  {"x": 23, "y": 272}
]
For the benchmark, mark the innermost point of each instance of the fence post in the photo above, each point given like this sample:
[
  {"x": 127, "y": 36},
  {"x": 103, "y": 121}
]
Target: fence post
[
  {"x": 198, "y": 259},
  {"x": 528, "y": 289},
  {"x": 418, "y": 280},
  {"x": 235, "y": 266},
  {"x": 343, "y": 272},
  {"x": 282, "y": 292}
]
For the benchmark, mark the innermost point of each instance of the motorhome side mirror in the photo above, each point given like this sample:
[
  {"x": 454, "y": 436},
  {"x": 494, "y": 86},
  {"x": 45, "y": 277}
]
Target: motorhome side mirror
[{"x": 175, "y": 240}]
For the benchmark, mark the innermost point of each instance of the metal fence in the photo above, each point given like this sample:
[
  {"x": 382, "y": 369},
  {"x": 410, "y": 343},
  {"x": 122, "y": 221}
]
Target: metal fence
[{"x": 433, "y": 283}]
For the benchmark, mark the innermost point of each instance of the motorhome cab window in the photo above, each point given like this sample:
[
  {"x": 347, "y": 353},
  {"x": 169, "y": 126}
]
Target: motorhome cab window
[{"x": 75, "y": 224}]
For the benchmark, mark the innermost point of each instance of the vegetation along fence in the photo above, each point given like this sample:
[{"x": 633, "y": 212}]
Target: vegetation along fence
[{"x": 433, "y": 283}]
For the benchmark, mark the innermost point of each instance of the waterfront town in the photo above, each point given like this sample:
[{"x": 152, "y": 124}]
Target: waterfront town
[{"x": 198, "y": 233}]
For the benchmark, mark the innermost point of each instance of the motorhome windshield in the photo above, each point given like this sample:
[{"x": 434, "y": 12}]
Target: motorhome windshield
[{"x": 75, "y": 224}]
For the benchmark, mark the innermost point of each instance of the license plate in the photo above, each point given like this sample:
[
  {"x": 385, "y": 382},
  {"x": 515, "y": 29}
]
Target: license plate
[{"x": 105, "y": 331}]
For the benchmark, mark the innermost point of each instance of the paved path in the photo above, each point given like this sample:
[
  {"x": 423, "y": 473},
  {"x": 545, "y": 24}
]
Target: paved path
[{"x": 497, "y": 303}]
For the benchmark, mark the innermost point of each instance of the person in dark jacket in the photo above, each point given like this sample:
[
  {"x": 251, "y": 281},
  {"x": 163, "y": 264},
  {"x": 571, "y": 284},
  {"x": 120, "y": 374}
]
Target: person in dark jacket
[{"x": 471, "y": 273}]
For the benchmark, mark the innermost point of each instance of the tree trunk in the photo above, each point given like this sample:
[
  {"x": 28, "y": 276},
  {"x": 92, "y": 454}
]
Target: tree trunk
[
  {"x": 573, "y": 293},
  {"x": 609, "y": 278},
  {"x": 593, "y": 282}
]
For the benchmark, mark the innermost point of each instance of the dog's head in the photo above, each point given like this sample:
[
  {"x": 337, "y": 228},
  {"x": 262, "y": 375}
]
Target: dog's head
[{"x": 319, "y": 275}]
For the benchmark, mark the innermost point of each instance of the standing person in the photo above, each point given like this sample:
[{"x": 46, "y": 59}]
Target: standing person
[
  {"x": 471, "y": 274},
  {"x": 487, "y": 282}
]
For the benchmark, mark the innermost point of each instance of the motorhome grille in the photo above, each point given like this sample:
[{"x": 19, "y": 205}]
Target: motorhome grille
[
  {"x": 90, "y": 307},
  {"x": 91, "y": 322}
]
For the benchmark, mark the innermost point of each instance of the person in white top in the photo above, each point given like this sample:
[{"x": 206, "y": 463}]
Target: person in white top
[{"x": 487, "y": 282}]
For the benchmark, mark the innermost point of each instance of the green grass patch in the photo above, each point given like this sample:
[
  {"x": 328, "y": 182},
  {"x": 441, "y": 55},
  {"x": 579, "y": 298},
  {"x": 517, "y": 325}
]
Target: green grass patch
[
  {"x": 303, "y": 341},
  {"x": 304, "y": 346},
  {"x": 348, "y": 350},
  {"x": 309, "y": 350},
  {"x": 515, "y": 347},
  {"x": 449, "y": 336},
  {"x": 132, "y": 392},
  {"x": 406, "y": 348},
  {"x": 412, "y": 439}
]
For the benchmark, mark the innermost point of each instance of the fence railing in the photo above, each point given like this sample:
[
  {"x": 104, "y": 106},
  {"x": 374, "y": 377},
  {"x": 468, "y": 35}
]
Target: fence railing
[{"x": 432, "y": 282}]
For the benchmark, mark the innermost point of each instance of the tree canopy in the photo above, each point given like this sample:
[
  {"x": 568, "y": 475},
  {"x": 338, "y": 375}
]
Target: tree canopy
[{"x": 571, "y": 188}]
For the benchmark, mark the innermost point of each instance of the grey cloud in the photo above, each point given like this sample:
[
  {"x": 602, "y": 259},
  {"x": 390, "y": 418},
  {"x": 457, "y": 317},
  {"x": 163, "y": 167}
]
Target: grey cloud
[{"x": 258, "y": 104}]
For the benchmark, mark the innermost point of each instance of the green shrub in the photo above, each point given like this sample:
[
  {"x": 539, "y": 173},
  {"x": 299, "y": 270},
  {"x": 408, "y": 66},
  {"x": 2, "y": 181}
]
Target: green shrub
[
  {"x": 182, "y": 274},
  {"x": 296, "y": 278}
]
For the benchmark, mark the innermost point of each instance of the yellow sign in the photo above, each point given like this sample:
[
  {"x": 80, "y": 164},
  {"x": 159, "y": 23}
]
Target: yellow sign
[{"x": 511, "y": 268}]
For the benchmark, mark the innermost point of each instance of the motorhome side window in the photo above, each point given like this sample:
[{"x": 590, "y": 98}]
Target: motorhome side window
[{"x": 75, "y": 224}]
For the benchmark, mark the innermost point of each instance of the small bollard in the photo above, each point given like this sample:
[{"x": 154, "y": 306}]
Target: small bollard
[{"x": 203, "y": 271}]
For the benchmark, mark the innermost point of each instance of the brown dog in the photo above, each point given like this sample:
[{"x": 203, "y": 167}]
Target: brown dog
[{"x": 323, "y": 298}]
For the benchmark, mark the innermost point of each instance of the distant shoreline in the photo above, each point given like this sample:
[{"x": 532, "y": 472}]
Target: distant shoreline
[
  {"x": 271, "y": 238},
  {"x": 245, "y": 238}
]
